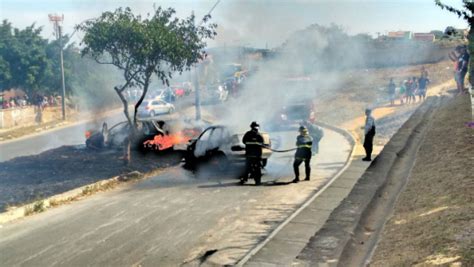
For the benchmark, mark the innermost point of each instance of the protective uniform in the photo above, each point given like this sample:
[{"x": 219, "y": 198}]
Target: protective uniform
[
  {"x": 304, "y": 143},
  {"x": 253, "y": 141},
  {"x": 316, "y": 133}
]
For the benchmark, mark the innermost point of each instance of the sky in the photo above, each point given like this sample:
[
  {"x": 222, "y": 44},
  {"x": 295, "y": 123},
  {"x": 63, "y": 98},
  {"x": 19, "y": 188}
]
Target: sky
[{"x": 257, "y": 23}]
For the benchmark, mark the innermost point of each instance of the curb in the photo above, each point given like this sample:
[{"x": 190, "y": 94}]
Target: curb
[
  {"x": 329, "y": 243},
  {"x": 307, "y": 202},
  {"x": 68, "y": 196}
]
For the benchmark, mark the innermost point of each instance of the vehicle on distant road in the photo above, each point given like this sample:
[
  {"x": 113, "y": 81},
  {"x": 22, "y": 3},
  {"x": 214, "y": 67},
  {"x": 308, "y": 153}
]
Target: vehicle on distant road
[
  {"x": 167, "y": 95},
  {"x": 292, "y": 114},
  {"x": 151, "y": 108}
]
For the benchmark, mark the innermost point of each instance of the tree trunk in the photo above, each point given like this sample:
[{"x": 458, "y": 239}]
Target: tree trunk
[
  {"x": 126, "y": 153},
  {"x": 146, "y": 84},
  {"x": 125, "y": 104}
]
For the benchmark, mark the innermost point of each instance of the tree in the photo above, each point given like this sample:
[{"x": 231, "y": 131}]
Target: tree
[
  {"x": 23, "y": 59},
  {"x": 450, "y": 31},
  {"x": 468, "y": 15},
  {"x": 160, "y": 45}
]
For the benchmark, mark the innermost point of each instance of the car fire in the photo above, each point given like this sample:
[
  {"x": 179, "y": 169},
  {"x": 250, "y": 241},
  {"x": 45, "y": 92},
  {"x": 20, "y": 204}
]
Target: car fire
[{"x": 162, "y": 142}]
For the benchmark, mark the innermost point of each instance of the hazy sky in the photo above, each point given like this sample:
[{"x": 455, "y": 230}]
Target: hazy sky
[{"x": 252, "y": 22}]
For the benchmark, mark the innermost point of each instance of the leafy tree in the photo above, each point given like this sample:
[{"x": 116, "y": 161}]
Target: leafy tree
[
  {"x": 23, "y": 59},
  {"x": 142, "y": 48},
  {"x": 467, "y": 13},
  {"x": 450, "y": 31}
]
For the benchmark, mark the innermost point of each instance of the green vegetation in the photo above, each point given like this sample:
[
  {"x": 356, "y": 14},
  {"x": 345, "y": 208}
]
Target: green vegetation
[
  {"x": 37, "y": 207},
  {"x": 31, "y": 63},
  {"x": 143, "y": 48}
]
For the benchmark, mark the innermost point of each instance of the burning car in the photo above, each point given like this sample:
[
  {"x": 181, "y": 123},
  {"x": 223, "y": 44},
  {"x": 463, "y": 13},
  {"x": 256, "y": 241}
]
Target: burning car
[
  {"x": 219, "y": 146},
  {"x": 154, "y": 135}
]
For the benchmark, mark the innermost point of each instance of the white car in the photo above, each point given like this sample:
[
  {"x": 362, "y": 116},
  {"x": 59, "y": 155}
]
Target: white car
[{"x": 153, "y": 107}]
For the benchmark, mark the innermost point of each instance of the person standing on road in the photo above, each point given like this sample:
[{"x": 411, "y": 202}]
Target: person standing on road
[
  {"x": 304, "y": 144},
  {"x": 253, "y": 142},
  {"x": 463, "y": 63},
  {"x": 407, "y": 90},
  {"x": 423, "y": 82},
  {"x": 391, "y": 91},
  {"x": 316, "y": 133},
  {"x": 369, "y": 131},
  {"x": 402, "y": 91}
]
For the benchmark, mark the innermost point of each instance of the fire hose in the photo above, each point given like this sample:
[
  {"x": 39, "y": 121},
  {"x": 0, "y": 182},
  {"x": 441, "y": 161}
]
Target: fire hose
[{"x": 278, "y": 150}]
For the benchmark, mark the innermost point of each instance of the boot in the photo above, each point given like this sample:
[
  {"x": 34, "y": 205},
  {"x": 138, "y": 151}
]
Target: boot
[{"x": 296, "y": 180}]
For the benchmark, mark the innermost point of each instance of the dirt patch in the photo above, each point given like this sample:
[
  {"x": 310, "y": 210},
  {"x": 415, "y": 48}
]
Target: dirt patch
[
  {"x": 433, "y": 223},
  {"x": 26, "y": 179}
]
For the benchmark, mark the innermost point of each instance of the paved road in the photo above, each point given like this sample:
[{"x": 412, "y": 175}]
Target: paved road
[
  {"x": 69, "y": 135},
  {"x": 170, "y": 219}
]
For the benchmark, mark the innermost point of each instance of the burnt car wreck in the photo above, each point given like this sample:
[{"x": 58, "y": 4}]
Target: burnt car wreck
[
  {"x": 152, "y": 135},
  {"x": 221, "y": 148}
]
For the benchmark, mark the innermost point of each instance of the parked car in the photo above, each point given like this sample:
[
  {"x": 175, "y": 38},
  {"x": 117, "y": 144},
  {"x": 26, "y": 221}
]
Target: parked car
[
  {"x": 218, "y": 145},
  {"x": 153, "y": 107},
  {"x": 162, "y": 94}
]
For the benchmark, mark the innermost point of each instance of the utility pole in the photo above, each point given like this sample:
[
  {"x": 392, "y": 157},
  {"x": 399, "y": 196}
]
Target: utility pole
[
  {"x": 197, "y": 91},
  {"x": 56, "y": 20}
]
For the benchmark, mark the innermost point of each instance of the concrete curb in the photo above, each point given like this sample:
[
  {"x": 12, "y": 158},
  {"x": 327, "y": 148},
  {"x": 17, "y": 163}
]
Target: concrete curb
[
  {"x": 261, "y": 244},
  {"x": 327, "y": 245},
  {"x": 68, "y": 196}
]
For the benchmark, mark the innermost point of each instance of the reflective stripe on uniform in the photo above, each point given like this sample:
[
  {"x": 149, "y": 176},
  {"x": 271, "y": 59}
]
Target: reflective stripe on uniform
[
  {"x": 306, "y": 146},
  {"x": 253, "y": 143}
]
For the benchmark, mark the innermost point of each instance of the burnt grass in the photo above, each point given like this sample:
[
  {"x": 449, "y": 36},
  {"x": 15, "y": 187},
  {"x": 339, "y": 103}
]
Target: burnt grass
[{"x": 26, "y": 179}]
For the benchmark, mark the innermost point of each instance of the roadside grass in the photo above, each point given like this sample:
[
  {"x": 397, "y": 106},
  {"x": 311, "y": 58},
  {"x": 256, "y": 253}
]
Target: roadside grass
[
  {"x": 36, "y": 207},
  {"x": 436, "y": 207}
]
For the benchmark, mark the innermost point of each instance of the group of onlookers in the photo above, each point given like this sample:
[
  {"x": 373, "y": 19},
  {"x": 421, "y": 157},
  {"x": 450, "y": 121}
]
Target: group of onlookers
[
  {"x": 14, "y": 102},
  {"x": 23, "y": 101},
  {"x": 409, "y": 89}
]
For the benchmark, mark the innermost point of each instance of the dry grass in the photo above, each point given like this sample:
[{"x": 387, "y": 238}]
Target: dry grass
[{"x": 433, "y": 223}]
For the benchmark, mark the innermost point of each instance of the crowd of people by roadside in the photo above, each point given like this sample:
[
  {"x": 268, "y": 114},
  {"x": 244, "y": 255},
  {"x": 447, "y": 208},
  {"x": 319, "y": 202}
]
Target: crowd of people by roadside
[
  {"x": 14, "y": 102},
  {"x": 25, "y": 101},
  {"x": 409, "y": 88}
]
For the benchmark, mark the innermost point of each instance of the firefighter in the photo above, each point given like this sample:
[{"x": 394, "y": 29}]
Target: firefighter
[
  {"x": 316, "y": 133},
  {"x": 253, "y": 141},
  {"x": 304, "y": 143}
]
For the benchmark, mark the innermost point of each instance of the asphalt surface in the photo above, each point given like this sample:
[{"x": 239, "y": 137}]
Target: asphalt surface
[{"x": 170, "y": 219}]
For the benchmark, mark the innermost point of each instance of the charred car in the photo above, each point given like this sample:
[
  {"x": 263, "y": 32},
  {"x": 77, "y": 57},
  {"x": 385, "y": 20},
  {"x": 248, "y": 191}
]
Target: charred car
[
  {"x": 154, "y": 135},
  {"x": 217, "y": 145}
]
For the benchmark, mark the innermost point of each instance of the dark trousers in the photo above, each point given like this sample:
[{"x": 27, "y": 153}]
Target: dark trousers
[
  {"x": 249, "y": 161},
  {"x": 368, "y": 143},
  {"x": 296, "y": 166}
]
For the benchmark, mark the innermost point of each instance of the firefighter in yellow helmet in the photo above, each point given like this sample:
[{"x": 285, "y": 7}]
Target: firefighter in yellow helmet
[{"x": 304, "y": 143}]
